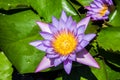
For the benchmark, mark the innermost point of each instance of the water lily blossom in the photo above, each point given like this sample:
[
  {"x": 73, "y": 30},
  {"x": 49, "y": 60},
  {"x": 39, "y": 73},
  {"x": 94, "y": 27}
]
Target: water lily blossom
[
  {"x": 64, "y": 42},
  {"x": 99, "y": 9}
]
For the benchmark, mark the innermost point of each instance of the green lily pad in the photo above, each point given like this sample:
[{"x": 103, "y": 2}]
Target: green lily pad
[
  {"x": 109, "y": 38},
  {"x": 5, "y": 68},
  {"x": 16, "y": 32}
]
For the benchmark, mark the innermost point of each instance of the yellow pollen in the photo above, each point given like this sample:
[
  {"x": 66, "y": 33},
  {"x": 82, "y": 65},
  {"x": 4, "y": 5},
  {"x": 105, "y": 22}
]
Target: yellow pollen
[
  {"x": 64, "y": 43},
  {"x": 103, "y": 10}
]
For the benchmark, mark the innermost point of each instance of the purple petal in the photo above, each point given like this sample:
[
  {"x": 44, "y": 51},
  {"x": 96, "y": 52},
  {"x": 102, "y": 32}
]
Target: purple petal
[
  {"x": 107, "y": 13},
  {"x": 79, "y": 48},
  {"x": 72, "y": 57},
  {"x": 84, "y": 21},
  {"x": 100, "y": 1},
  {"x": 81, "y": 29},
  {"x": 80, "y": 37},
  {"x": 98, "y": 4},
  {"x": 73, "y": 26},
  {"x": 105, "y": 17},
  {"x": 36, "y": 43},
  {"x": 84, "y": 43},
  {"x": 69, "y": 22},
  {"x": 52, "y": 55},
  {"x": 68, "y": 66},
  {"x": 89, "y": 37},
  {"x": 53, "y": 29},
  {"x": 50, "y": 50},
  {"x": 91, "y": 13},
  {"x": 57, "y": 61},
  {"x": 43, "y": 26},
  {"x": 63, "y": 16},
  {"x": 96, "y": 10},
  {"x": 46, "y": 35},
  {"x": 97, "y": 17},
  {"x": 88, "y": 7},
  {"x": 61, "y": 24},
  {"x": 63, "y": 58},
  {"x": 55, "y": 22},
  {"x": 93, "y": 5},
  {"x": 109, "y": 2},
  {"x": 47, "y": 43},
  {"x": 44, "y": 64},
  {"x": 39, "y": 45},
  {"x": 85, "y": 58}
]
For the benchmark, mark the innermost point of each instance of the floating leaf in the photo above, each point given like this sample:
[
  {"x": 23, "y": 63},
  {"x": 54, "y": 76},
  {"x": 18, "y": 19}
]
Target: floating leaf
[
  {"x": 112, "y": 75},
  {"x": 114, "y": 19},
  {"x": 92, "y": 28},
  {"x": 111, "y": 57},
  {"x": 109, "y": 38},
  {"x": 85, "y": 2},
  {"x": 100, "y": 73},
  {"x": 16, "y": 32},
  {"x": 11, "y": 4},
  {"x": 5, "y": 68},
  {"x": 47, "y": 8}
]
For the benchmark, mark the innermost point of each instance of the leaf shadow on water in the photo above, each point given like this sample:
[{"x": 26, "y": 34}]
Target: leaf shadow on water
[
  {"x": 50, "y": 75},
  {"x": 112, "y": 59},
  {"x": 76, "y": 74},
  {"x": 80, "y": 72}
]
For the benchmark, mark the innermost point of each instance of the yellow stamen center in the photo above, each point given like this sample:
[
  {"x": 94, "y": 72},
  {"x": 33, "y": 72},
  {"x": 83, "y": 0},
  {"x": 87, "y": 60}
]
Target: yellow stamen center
[
  {"x": 64, "y": 43},
  {"x": 103, "y": 11}
]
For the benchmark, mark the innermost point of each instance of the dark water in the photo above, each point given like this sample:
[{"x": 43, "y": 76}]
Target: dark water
[{"x": 35, "y": 76}]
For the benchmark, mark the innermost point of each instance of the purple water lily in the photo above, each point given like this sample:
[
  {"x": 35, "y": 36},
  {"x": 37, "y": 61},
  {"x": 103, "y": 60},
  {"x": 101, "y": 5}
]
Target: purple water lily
[
  {"x": 99, "y": 9},
  {"x": 64, "y": 42}
]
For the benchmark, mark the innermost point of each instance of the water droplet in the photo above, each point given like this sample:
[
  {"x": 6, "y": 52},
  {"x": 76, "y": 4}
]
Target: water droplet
[
  {"x": 28, "y": 60},
  {"x": 9, "y": 4}
]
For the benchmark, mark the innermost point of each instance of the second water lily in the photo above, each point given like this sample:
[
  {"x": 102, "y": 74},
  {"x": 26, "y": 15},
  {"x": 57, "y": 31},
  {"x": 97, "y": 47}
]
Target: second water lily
[{"x": 99, "y": 9}]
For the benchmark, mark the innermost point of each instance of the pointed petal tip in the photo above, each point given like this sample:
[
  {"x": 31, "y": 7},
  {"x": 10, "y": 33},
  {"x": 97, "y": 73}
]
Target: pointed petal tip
[
  {"x": 43, "y": 26},
  {"x": 31, "y": 43},
  {"x": 39, "y": 22},
  {"x": 85, "y": 58},
  {"x": 97, "y": 66},
  {"x": 36, "y": 71},
  {"x": 88, "y": 7},
  {"x": 84, "y": 21},
  {"x": 63, "y": 16},
  {"x": 68, "y": 66},
  {"x": 35, "y": 43},
  {"x": 63, "y": 13},
  {"x": 68, "y": 72},
  {"x": 44, "y": 64},
  {"x": 81, "y": 29},
  {"x": 54, "y": 18},
  {"x": 93, "y": 35}
]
